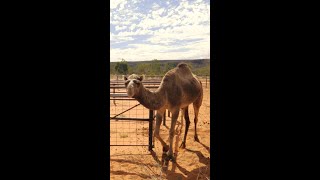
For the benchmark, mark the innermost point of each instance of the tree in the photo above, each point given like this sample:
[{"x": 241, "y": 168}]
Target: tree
[
  {"x": 122, "y": 67},
  {"x": 143, "y": 68},
  {"x": 155, "y": 67},
  {"x": 168, "y": 66},
  {"x": 112, "y": 68}
]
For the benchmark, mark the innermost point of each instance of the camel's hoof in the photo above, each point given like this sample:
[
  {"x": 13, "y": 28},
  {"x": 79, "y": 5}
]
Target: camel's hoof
[
  {"x": 196, "y": 138},
  {"x": 170, "y": 157},
  {"x": 165, "y": 166},
  {"x": 163, "y": 158},
  {"x": 183, "y": 145},
  {"x": 164, "y": 162},
  {"x": 165, "y": 148}
]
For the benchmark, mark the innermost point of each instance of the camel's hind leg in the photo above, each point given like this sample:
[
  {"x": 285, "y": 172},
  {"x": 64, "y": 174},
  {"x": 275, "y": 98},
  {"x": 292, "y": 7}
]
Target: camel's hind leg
[
  {"x": 196, "y": 112},
  {"x": 196, "y": 107},
  {"x": 186, "y": 117}
]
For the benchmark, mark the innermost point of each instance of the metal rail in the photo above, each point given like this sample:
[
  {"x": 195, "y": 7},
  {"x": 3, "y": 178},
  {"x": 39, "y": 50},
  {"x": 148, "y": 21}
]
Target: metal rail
[{"x": 150, "y": 120}]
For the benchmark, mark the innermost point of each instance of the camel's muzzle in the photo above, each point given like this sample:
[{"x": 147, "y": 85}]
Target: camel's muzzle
[{"x": 130, "y": 91}]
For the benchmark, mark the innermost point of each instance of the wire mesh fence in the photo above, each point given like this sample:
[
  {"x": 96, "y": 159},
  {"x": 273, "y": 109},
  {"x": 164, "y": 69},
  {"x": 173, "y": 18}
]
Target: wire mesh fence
[
  {"x": 133, "y": 124},
  {"x": 130, "y": 123},
  {"x": 147, "y": 78}
]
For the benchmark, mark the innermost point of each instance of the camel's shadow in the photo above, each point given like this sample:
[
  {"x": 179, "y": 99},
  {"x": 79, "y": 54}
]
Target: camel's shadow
[
  {"x": 203, "y": 171},
  {"x": 171, "y": 173},
  {"x": 206, "y": 147},
  {"x": 202, "y": 158},
  {"x": 128, "y": 173}
]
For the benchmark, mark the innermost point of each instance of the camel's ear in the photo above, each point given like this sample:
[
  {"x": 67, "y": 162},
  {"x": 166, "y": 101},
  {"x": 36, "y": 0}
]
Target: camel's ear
[
  {"x": 125, "y": 78},
  {"x": 140, "y": 78}
]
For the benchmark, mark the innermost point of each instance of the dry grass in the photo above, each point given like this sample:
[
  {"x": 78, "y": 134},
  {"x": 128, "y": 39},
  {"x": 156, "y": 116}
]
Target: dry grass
[{"x": 122, "y": 135}]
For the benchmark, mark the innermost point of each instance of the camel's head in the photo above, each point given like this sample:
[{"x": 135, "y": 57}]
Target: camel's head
[{"x": 133, "y": 85}]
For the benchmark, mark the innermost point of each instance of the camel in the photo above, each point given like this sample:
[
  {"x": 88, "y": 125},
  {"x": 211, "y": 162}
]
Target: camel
[{"x": 178, "y": 89}]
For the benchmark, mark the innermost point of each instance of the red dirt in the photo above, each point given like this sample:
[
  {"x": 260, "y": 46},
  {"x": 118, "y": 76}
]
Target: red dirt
[{"x": 136, "y": 162}]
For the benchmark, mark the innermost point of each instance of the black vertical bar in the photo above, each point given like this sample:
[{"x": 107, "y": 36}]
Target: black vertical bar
[
  {"x": 164, "y": 118},
  {"x": 150, "y": 128},
  {"x": 114, "y": 91}
]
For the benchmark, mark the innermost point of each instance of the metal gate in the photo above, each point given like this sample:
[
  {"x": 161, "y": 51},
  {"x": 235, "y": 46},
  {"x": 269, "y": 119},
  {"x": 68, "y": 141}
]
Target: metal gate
[
  {"x": 128, "y": 117},
  {"x": 127, "y": 130}
]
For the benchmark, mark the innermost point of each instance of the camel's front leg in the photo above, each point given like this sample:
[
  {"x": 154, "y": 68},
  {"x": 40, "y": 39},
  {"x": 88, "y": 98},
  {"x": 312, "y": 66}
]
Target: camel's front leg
[
  {"x": 157, "y": 129},
  {"x": 175, "y": 115}
]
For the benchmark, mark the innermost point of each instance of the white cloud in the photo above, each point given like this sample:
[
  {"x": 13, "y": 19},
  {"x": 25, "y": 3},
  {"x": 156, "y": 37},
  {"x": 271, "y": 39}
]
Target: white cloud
[
  {"x": 119, "y": 39},
  {"x": 118, "y": 28},
  {"x": 189, "y": 22},
  {"x": 155, "y": 6},
  {"x": 114, "y": 3}
]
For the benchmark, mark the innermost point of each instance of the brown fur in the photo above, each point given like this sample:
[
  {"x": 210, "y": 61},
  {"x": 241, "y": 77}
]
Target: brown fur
[{"x": 178, "y": 88}]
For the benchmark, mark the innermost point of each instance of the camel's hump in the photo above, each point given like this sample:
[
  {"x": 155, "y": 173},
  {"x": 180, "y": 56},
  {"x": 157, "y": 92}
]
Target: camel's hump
[
  {"x": 182, "y": 65},
  {"x": 184, "y": 68}
]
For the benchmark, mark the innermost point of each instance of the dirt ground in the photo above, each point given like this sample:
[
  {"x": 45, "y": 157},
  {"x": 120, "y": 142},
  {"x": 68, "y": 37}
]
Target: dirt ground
[{"x": 136, "y": 162}]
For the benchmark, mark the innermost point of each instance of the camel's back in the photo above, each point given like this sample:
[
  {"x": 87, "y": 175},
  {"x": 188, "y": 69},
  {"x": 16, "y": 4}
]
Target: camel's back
[{"x": 182, "y": 85}]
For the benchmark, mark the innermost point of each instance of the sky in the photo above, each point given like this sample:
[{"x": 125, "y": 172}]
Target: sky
[{"x": 142, "y": 30}]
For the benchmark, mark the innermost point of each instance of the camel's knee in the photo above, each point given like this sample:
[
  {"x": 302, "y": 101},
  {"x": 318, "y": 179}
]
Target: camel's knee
[
  {"x": 187, "y": 122},
  {"x": 156, "y": 133},
  {"x": 171, "y": 134},
  {"x": 158, "y": 119},
  {"x": 196, "y": 120},
  {"x": 159, "y": 116}
]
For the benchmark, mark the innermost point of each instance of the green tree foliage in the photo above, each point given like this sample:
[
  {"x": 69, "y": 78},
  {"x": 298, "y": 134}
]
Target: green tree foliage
[
  {"x": 155, "y": 67},
  {"x": 112, "y": 68},
  {"x": 143, "y": 68},
  {"x": 122, "y": 67},
  {"x": 168, "y": 66},
  {"x": 204, "y": 71}
]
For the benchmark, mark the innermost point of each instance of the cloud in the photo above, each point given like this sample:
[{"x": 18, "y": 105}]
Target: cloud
[
  {"x": 162, "y": 30},
  {"x": 114, "y": 3},
  {"x": 118, "y": 28}
]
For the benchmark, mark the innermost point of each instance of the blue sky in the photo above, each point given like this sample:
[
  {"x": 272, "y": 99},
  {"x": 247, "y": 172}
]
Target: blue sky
[{"x": 167, "y": 29}]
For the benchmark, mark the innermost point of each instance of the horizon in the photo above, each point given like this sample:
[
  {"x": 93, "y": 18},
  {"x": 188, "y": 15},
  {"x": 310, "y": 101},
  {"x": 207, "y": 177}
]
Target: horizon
[
  {"x": 166, "y": 60},
  {"x": 143, "y": 30}
]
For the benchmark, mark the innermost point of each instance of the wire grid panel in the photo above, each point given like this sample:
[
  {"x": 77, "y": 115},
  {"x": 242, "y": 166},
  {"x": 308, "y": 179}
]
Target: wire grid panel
[{"x": 128, "y": 132}]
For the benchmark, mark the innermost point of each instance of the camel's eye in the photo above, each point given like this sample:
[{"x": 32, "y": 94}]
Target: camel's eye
[{"x": 126, "y": 83}]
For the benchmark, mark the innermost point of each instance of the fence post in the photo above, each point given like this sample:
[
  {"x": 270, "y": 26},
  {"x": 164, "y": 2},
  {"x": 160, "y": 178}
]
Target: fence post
[
  {"x": 114, "y": 91},
  {"x": 150, "y": 129},
  {"x": 164, "y": 117}
]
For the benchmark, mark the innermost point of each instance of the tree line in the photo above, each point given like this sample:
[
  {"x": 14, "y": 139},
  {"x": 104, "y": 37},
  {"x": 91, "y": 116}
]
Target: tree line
[{"x": 153, "y": 67}]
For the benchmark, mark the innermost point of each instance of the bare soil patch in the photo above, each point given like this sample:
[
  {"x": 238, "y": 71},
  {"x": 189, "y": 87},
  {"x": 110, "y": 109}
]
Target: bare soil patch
[{"x": 136, "y": 162}]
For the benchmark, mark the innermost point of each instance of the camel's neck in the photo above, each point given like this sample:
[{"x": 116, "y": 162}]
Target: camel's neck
[{"x": 152, "y": 100}]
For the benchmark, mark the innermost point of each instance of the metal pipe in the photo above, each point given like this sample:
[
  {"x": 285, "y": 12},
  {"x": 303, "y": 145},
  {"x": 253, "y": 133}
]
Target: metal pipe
[
  {"x": 131, "y": 119},
  {"x": 150, "y": 129}
]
